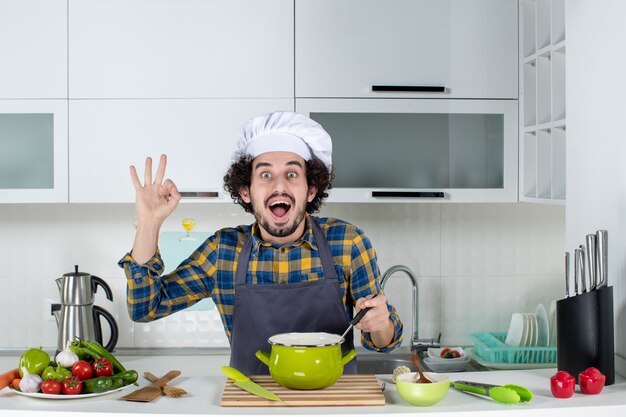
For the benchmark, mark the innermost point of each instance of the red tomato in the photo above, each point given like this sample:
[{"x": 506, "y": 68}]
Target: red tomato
[
  {"x": 444, "y": 351},
  {"x": 72, "y": 386},
  {"x": 82, "y": 369},
  {"x": 103, "y": 367},
  {"x": 51, "y": 387}
]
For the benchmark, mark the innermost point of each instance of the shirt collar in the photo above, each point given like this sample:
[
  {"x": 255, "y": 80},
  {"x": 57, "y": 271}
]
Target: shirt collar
[{"x": 307, "y": 238}]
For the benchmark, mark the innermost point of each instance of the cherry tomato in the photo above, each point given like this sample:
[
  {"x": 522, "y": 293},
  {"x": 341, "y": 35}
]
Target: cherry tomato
[
  {"x": 82, "y": 369},
  {"x": 102, "y": 367},
  {"x": 444, "y": 351},
  {"x": 51, "y": 386},
  {"x": 72, "y": 386}
]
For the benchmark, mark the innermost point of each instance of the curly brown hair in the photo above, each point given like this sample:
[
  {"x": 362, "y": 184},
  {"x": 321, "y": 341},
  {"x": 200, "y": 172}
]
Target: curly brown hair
[{"x": 317, "y": 175}]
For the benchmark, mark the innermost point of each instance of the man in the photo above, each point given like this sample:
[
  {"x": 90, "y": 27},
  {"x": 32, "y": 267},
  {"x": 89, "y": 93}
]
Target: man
[{"x": 287, "y": 272}]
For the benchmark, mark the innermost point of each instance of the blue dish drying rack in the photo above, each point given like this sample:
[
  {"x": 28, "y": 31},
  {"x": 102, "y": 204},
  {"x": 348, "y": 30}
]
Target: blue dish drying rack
[{"x": 491, "y": 348}]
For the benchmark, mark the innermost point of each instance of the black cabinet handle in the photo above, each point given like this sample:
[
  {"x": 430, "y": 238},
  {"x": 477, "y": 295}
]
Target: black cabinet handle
[
  {"x": 199, "y": 194},
  {"x": 410, "y": 88},
  {"x": 409, "y": 194}
]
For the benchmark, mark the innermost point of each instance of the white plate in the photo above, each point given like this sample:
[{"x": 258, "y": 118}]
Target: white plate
[
  {"x": 435, "y": 354},
  {"x": 543, "y": 326},
  {"x": 68, "y": 397},
  {"x": 552, "y": 317},
  {"x": 516, "y": 330},
  {"x": 447, "y": 365},
  {"x": 501, "y": 365}
]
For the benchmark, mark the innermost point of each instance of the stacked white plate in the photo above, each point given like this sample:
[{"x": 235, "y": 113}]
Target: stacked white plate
[
  {"x": 529, "y": 329},
  {"x": 438, "y": 364}
]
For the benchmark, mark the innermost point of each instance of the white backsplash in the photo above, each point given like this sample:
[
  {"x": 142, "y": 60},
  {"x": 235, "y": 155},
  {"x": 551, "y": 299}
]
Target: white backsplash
[{"x": 476, "y": 264}]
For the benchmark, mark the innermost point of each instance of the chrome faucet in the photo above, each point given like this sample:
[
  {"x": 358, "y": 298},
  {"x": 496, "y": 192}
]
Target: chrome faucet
[{"x": 417, "y": 344}]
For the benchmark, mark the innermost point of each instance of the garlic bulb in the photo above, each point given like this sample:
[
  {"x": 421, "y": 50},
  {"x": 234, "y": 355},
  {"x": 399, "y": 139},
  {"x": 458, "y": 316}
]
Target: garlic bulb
[
  {"x": 66, "y": 358},
  {"x": 30, "y": 382}
]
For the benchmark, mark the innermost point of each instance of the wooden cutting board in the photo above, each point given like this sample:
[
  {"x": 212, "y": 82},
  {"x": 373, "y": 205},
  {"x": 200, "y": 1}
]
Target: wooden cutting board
[{"x": 349, "y": 390}]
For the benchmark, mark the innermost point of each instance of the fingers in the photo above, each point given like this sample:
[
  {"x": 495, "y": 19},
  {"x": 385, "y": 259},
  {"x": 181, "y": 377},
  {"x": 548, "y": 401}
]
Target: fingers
[
  {"x": 147, "y": 174},
  {"x": 377, "y": 317},
  {"x": 172, "y": 191},
  {"x": 161, "y": 169},
  {"x": 134, "y": 177}
]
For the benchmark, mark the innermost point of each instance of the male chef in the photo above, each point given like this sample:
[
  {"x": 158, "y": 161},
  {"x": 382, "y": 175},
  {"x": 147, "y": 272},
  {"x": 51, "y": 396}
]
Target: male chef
[{"x": 287, "y": 272}]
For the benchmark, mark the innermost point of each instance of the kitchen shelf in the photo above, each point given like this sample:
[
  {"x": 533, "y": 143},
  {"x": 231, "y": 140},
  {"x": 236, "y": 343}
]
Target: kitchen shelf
[{"x": 542, "y": 110}]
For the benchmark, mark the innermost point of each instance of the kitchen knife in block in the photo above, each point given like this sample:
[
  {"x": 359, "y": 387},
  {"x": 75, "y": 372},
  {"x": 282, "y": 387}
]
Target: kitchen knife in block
[
  {"x": 152, "y": 391},
  {"x": 246, "y": 384}
]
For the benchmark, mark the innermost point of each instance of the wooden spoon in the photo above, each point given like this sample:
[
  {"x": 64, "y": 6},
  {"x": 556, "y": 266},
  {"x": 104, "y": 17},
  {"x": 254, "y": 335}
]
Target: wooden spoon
[{"x": 422, "y": 378}]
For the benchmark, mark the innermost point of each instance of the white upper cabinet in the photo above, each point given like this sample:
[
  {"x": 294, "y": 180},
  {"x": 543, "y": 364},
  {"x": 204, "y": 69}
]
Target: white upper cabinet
[
  {"x": 33, "y": 49},
  {"x": 198, "y": 136},
  {"x": 181, "y": 48},
  {"x": 468, "y": 47}
]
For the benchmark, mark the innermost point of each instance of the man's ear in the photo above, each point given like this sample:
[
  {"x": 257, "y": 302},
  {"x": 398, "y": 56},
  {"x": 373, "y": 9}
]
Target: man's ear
[
  {"x": 312, "y": 192},
  {"x": 244, "y": 193}
]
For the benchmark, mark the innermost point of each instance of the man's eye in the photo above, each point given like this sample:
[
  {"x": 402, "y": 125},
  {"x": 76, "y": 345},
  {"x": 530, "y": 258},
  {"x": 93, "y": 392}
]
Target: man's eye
[
  {"x": 266, "y": 175},
  {"x": 292, "y": 175}
]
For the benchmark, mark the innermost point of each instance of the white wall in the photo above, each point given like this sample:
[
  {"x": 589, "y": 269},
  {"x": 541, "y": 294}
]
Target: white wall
[
  {"x": 596, "y": 146},
  {"x": 476, "y": 263}
]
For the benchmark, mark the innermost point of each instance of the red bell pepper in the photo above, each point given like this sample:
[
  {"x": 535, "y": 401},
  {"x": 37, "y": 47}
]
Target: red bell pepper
[
  {"x": 562, "y": 384},
  {"x": 591, "y": 381}
]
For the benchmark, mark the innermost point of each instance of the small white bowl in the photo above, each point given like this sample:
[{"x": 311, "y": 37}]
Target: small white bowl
[{"x": 435, "y": 355}]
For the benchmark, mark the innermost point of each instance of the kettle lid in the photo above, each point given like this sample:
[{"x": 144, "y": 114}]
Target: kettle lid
[{"x": 76, "y": 273}]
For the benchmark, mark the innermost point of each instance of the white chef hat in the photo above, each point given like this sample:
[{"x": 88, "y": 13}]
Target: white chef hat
[{"x": 284, "y": 131}]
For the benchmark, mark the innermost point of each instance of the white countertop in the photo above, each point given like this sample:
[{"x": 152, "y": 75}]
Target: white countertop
[{"x": 203, "y": 380}]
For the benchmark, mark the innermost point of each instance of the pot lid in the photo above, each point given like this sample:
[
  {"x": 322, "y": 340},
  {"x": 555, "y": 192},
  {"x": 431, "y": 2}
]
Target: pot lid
[{"x": 305, "y": 339}]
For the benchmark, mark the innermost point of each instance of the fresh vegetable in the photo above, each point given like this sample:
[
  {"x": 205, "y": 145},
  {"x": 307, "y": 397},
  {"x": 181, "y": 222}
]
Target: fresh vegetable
[
  {"x": 57, "y": 374},
  {"x": 100, "y": 384},
  {"x": 34, "y": 361},
  {"x": 30, "y": 382},
  {"x": 129, "y": 377},
  {"x": 7, "y": 377},
  {"x": 95, "y": 350},
  {"x": 448, "y": 353},
  {"x": 82, "y": 369},
  {"x": 51, "y": 387},
  {"x": 66, "y": 357},
  {"x": 117, "y": 382},
  {"x": 15, "y": 384},
  {"x": 562, "y": 384},
  {"x": 102, "y": 367},
  {"x": 591, "y": 381},
  {"x": 72, "y": 386}
]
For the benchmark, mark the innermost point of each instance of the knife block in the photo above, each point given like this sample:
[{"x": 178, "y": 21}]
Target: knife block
[{"x": 585, "y": 334}]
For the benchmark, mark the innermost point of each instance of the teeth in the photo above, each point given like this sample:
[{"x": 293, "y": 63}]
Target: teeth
[{"x": 279, "y": 202}]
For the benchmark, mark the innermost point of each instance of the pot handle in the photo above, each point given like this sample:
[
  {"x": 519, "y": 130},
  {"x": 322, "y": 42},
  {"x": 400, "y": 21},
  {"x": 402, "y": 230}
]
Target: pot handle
[
  {"x": 347, "y": 357},
  {"x": 263, "y": 357}
]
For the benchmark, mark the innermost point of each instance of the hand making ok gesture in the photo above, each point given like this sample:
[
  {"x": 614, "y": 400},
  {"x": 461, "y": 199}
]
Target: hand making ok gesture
[{"x": 155, "y": 200}]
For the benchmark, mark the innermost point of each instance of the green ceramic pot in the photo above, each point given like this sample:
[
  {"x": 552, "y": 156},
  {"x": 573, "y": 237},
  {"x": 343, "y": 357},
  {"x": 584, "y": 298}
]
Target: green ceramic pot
[{"x": 305, "y": 360}]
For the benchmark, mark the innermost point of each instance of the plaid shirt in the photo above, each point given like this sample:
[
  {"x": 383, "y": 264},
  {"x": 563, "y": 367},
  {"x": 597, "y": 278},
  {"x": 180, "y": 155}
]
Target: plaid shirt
[{"x": 210, "y": 272}]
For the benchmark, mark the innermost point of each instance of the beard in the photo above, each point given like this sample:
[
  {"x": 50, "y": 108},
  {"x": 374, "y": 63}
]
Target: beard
[{"x": 280, "y": 230}]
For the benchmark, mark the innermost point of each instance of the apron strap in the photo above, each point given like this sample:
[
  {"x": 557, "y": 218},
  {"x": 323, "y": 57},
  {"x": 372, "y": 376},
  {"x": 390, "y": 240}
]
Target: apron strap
[{"x": 242, "y": 262}]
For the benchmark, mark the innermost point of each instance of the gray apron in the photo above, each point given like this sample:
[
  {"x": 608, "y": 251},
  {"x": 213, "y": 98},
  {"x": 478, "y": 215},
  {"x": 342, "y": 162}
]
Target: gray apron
[{"x": 263, "y": 310}]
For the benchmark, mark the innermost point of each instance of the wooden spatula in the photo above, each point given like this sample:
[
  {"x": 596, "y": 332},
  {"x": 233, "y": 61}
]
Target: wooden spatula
[{"x": 152, "y": 391}]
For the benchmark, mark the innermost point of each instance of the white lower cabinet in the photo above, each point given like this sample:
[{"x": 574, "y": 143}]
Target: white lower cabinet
[
  {"x": 33, "y": 151},
  {"x": 198, "y": 136}
]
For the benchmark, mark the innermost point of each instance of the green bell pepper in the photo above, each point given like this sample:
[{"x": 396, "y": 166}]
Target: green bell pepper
[{"x": 57, "y": 374}]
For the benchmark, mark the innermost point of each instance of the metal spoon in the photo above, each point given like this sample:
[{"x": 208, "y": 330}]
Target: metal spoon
[
  {"x": 422, "y": 378},
  {"x": 356, "y": 319}
]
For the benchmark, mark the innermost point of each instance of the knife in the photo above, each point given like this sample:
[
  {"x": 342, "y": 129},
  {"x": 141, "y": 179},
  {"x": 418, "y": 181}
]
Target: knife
[
  {"x": 581, "y": 265},
  {"x": 602, "y": 237},
  {"x": 590, "y": 261},
  {"x": 566, "y": 274},
  {"x": 247, "y": 384},
  {"x": 576, "y": 270}
]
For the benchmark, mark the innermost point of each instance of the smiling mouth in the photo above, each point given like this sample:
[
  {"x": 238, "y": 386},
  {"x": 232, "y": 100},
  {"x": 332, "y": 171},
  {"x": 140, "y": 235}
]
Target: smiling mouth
[{"x": 279, "y": 208}]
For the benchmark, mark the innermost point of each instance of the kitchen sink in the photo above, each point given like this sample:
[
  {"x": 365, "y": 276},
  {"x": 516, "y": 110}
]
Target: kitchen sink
[
  {"x": 385, "y": 363},
  {"x": 382, "y": 363}
]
